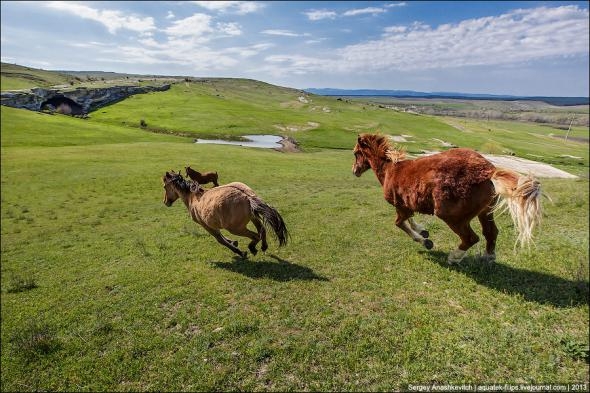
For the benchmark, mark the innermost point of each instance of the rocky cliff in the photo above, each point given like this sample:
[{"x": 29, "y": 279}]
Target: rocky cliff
[{"x": 84, "y": 99}]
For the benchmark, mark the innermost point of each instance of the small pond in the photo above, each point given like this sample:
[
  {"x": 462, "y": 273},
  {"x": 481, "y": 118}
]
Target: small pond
[{"x": 263, "y": 141}]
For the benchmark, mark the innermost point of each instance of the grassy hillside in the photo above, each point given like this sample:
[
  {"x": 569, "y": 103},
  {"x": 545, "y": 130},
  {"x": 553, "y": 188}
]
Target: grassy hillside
[
  {"x": 228, "y": 108},
  {"x": 532, "y": 111},
  {"x": 14, "y": 77},
  {"x": 105, "y": 288}
]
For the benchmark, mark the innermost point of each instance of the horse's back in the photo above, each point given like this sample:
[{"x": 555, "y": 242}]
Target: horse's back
[
  {"x": 451, "y": 175},
  {"x": 226, "y": 205},
  {"x": 458, "y": 165}
]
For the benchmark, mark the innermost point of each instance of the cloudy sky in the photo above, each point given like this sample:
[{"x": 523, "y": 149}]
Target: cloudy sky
[{"x": 520, "y": 48}]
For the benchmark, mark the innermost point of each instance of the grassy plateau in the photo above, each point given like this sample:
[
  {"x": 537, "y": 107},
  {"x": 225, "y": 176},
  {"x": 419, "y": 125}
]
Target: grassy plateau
[{"x": 104, "y": 288}]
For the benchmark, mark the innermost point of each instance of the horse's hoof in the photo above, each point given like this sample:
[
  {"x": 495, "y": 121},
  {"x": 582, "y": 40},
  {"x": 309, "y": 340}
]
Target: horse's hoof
[
  {"x": 253, "y": 250},
  {"x": 424, "y": 233},
  {"x": 489, "y": 258},
  {"x": 428, "y": 244},
  {"x": 455, "y": 256},
  {"x": 264, "y": 247}
]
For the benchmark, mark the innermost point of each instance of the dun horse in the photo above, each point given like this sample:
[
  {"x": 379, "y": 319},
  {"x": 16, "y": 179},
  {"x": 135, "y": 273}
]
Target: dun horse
[
  {"x": 456, "y": 186},
  {"x": 229, "y": 207},
  {"x": 202, "y": 178}
]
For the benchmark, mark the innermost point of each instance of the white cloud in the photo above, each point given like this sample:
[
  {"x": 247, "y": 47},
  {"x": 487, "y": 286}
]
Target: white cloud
[
  {"x": 196, "y": 25},
  {"x": 315, "y": 15},
  {"x": 279, "y": 65},
  {"x": 7, "y": 59},
  {"x": 239, "y": 7},
  {"x": 231, "y": 28},
  {"x": 283, "y": 33},
  {"x": 320, "y": 14},
  {"x": 362, "y": 11},
  {"x": 515, "y": 37},
  {"x": 170, "y": 15},
  {"x": 392, "y": 5},
  {"x": 394, "y": 29},
  {"x": 248, "y": 51},
  {"x": 112, "y": 20}
]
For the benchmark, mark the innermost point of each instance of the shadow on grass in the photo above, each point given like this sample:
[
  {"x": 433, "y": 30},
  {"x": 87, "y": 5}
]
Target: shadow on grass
[
  {"x": 278, "y": 270},
  {"x": 532, "y": 286}
]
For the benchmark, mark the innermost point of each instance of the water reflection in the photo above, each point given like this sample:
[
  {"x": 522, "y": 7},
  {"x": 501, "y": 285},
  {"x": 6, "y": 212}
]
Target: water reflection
[{"x": 263, "y": 141}]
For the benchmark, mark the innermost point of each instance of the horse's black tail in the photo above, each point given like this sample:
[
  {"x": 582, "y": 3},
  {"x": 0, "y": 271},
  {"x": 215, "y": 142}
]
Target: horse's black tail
[{"x": 270, "y": 217}]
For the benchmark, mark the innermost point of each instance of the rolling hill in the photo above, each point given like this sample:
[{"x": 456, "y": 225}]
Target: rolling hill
[{"x": 228, "y": 108}]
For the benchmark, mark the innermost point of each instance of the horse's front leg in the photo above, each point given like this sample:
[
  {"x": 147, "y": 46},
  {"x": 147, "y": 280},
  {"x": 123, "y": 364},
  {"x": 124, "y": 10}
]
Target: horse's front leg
[{"x": 404, "y": 222}]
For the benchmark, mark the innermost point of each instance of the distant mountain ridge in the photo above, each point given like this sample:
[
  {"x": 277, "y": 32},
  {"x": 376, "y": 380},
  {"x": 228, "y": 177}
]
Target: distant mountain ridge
[{"x": 561, "y": 101}]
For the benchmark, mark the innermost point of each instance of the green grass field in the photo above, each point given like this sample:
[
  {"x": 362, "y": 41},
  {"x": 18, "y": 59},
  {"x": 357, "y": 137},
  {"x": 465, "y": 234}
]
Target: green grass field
[{"x": 106, "y": 289}]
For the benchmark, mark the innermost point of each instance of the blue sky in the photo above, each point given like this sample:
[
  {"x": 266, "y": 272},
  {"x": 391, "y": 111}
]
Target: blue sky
[{"x": 520, "y": 48}]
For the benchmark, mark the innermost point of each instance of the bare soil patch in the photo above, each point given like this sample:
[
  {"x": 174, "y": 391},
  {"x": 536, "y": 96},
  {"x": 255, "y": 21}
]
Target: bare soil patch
[{"x": 522, "y": 165}]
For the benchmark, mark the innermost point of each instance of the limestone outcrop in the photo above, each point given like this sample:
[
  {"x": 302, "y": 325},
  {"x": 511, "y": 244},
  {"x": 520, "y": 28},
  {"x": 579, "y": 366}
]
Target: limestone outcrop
[{"x": 81, "y": 100}]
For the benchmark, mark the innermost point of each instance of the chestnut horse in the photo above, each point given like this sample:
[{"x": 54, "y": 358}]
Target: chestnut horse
[
  {"x": 202, "y": 178},
  {"x": 231, "y": 207},
  {"x": 456, "y": 186}
]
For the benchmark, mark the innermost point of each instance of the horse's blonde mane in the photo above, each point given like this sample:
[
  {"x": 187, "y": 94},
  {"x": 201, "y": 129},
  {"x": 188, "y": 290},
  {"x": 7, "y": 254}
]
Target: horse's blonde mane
[
  {"x": 381, "y": 146},
  {"x": 396, "y": 154}
]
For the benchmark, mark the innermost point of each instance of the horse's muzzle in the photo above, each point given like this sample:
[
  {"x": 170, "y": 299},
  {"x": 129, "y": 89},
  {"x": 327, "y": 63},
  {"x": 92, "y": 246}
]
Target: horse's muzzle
[{"x": 357, "y": 171}]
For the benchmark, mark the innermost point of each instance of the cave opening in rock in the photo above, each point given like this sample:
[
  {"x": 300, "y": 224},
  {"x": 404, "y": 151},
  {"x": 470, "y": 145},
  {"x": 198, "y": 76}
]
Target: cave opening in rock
[{"x": 63, "y": 105}]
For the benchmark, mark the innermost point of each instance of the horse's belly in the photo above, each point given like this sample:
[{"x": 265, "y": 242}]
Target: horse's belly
[{"x": 418, "y": 202}]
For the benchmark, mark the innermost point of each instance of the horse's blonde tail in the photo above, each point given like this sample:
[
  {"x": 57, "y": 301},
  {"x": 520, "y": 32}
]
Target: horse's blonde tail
[{"x": 521, "y": 196}]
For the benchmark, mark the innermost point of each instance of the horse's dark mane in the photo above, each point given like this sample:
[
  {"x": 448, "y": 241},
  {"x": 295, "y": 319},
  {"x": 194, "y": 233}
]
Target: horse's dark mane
[{"x": 181, "y": 183}]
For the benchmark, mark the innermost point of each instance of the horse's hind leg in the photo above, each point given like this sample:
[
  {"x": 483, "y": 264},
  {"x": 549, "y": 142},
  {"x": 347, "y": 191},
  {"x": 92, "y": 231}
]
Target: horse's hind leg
[
  {"x": 418, "y": 228},
  {"x": 261, "y": 232},
  {"x": 234, "y": 242},
  {"x": 468, "y": 239},
  {"x": 225, "y": 241},
  {"x": 490, "y": 232},
  {"x": 403, "y": 222},
  {"x": 245, "y": 232}
]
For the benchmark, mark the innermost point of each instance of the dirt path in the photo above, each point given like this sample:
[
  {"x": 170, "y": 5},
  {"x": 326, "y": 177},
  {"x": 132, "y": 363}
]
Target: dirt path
[{"x": 525, "y": 166}]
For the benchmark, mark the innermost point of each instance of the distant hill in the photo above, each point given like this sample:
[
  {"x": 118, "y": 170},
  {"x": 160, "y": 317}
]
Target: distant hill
[
  {"x": 15, "y": 77},
  {"x": 107, "y": 75},
  {"x": 560, "y": 101}
]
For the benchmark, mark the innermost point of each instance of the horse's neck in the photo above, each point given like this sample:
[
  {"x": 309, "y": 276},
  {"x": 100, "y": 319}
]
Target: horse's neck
[
  {"x": 190, "y": 199},
  {"x": 379, "y": 167}
]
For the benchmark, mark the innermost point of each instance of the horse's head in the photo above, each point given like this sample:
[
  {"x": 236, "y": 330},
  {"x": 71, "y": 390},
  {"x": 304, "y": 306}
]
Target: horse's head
[
  {"x": 361, "y": 163},
  {"x": 170, "y": 181}
]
